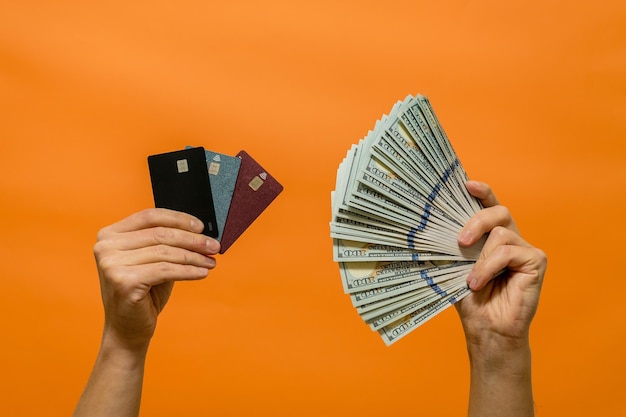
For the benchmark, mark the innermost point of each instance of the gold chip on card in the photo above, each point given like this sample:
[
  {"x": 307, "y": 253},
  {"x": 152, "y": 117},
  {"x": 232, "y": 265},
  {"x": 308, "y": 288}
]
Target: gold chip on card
[
  {"x": 256, "y": 183},
  {"x": 214, "y": 168}
]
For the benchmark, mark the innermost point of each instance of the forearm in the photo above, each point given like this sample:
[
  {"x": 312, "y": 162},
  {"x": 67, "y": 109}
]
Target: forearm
[
  {"x": 500, "y": 380},
  {"x": 115, "y": 384}
]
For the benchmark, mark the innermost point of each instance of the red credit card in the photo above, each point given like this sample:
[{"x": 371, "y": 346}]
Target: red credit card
[{"x": 255, "y": 190}]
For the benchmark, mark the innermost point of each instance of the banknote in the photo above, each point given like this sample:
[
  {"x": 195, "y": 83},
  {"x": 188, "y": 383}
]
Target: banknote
[
  {"x": 385, "y": 277},
  {"x": 437, "y": 281},
  {"x": 380, "y": 317},
  {"x": 404, "y": 325},
  {"x": 353, "y": 251},
  {"x": 398, "y": 207}
]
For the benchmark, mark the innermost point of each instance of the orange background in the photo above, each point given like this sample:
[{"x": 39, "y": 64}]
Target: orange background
[{"x": 531, "y": 93}]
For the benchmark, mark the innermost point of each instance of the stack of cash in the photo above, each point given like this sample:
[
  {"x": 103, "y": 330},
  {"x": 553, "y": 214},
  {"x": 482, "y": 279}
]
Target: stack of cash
[{"x": 398, "y": 206}]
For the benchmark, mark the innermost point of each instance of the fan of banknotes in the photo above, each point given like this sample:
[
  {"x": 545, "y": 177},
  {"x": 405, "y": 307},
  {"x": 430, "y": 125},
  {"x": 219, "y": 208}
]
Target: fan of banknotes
[{"x": 397, "y": 209}]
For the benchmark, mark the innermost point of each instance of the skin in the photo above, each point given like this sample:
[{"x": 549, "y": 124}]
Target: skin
[
  {"x": 140, "y": 257},
  {"x": 496, "y": 316}
]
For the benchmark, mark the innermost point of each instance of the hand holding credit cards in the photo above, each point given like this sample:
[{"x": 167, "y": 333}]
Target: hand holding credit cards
[{"x": 228, "y": 193}]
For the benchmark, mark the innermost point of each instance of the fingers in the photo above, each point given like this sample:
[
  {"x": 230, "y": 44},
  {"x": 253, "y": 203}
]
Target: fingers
[
  {"x": 161, "y": 235},
  {"x": 483, "y": 192},
  {"x": 154, "y": 246},
  {"x": 158, "y": 227},
  {"x": 483, "y": 222},
  {"x": 505, "y": 249},
  {"x": 518, "y": 260},
  {"x": 156, "y": 217},
  {"x": 151, "y": 265},
  {"x": 150, "y": 275},
  {"x": 165, "y": 253}
]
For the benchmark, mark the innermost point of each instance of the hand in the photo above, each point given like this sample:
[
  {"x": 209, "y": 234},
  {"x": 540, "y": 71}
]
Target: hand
[
  {"x": 139, "y": 259},
  {"x": 506, "y": 282},
  {"x": 498, "y": 313}
]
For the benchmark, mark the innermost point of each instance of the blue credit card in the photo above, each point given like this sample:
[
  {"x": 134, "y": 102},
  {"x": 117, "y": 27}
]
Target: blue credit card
[{"x": 223, "y": 172}]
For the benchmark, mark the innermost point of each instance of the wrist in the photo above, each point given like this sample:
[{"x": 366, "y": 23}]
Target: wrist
[
  {"x": 115, "y": 385},
  {"x": 127, "y": 354},
  {"x": 497, "y": 355},
  {"x": 500, "y": 379}
]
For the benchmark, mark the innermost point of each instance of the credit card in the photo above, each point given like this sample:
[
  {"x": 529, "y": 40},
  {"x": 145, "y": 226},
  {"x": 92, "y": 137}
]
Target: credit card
[
  {"x": 223, "y": 171},
  {"x": 180, "y": 181},
  {"x": 255, "y": 190}
]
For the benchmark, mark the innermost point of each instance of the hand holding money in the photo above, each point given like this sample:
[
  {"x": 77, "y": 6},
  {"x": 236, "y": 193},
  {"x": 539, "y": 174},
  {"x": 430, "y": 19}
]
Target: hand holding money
[
  {"x": 398, "y": 207},
  {"x": 506, "y": 281},
  {"x": 410, "y": 232},
  {"x": 412, "y": 236}
]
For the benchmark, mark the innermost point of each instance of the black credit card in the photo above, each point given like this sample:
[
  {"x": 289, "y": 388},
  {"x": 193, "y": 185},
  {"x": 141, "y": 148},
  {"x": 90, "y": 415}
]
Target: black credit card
[{"x": 180, "y": 181}]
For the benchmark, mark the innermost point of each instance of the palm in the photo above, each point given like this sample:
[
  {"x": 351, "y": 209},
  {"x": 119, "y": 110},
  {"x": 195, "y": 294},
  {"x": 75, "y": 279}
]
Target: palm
[
  {"x": 137, "y": 319},
  {"x": 152, "y": 304},
  {"x": 160, "y": 294}
]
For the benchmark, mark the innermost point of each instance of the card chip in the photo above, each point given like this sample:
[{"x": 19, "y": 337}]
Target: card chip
[
  {"x": 214, "y": 168},
  {"x": 256, "y": 183},
  {"x": 182, "y": 165}
]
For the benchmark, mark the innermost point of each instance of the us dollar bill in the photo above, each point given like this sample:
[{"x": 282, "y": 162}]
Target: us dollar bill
[
  {"x": 352, "y": 251},
  {"x": 424, "y": 297},
  {"x": 388, "y": 279},
  {"x": 405, "y": 325},
  {"x": 398, "y": 207}
]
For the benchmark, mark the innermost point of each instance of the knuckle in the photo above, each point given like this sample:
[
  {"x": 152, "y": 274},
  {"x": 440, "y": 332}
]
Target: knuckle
[
  {"x": 119, "y": 276},
  {"x": 500, "y": 233},
  {"x": 162, "y": 251},
  {"x": 161, "y": 234},
  {"x": 107, "y": 264},
  {"x": 101, "y": 248},
  {"x": 164, "y": 267},
  {"x": 541, "y": 257},
  {"x": 188, "y": 258},
  {"x": 503, "y": 251},
  {"x": 502, "y": 211},
  {"x": 103, "y": 233},
  {"x": 147, "y": 214},
  {"x": 506, "y": 218},
  {"x": 148, "y": 217}
]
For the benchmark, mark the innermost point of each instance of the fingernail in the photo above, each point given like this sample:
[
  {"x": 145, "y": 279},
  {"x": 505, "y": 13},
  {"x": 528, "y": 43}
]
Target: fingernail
[
  {"x": 465, "y": 237},
  {"x": 212, "y": 245},
  {"x": 196, "y": 225},
  {"x": 472, "y": 281}
]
